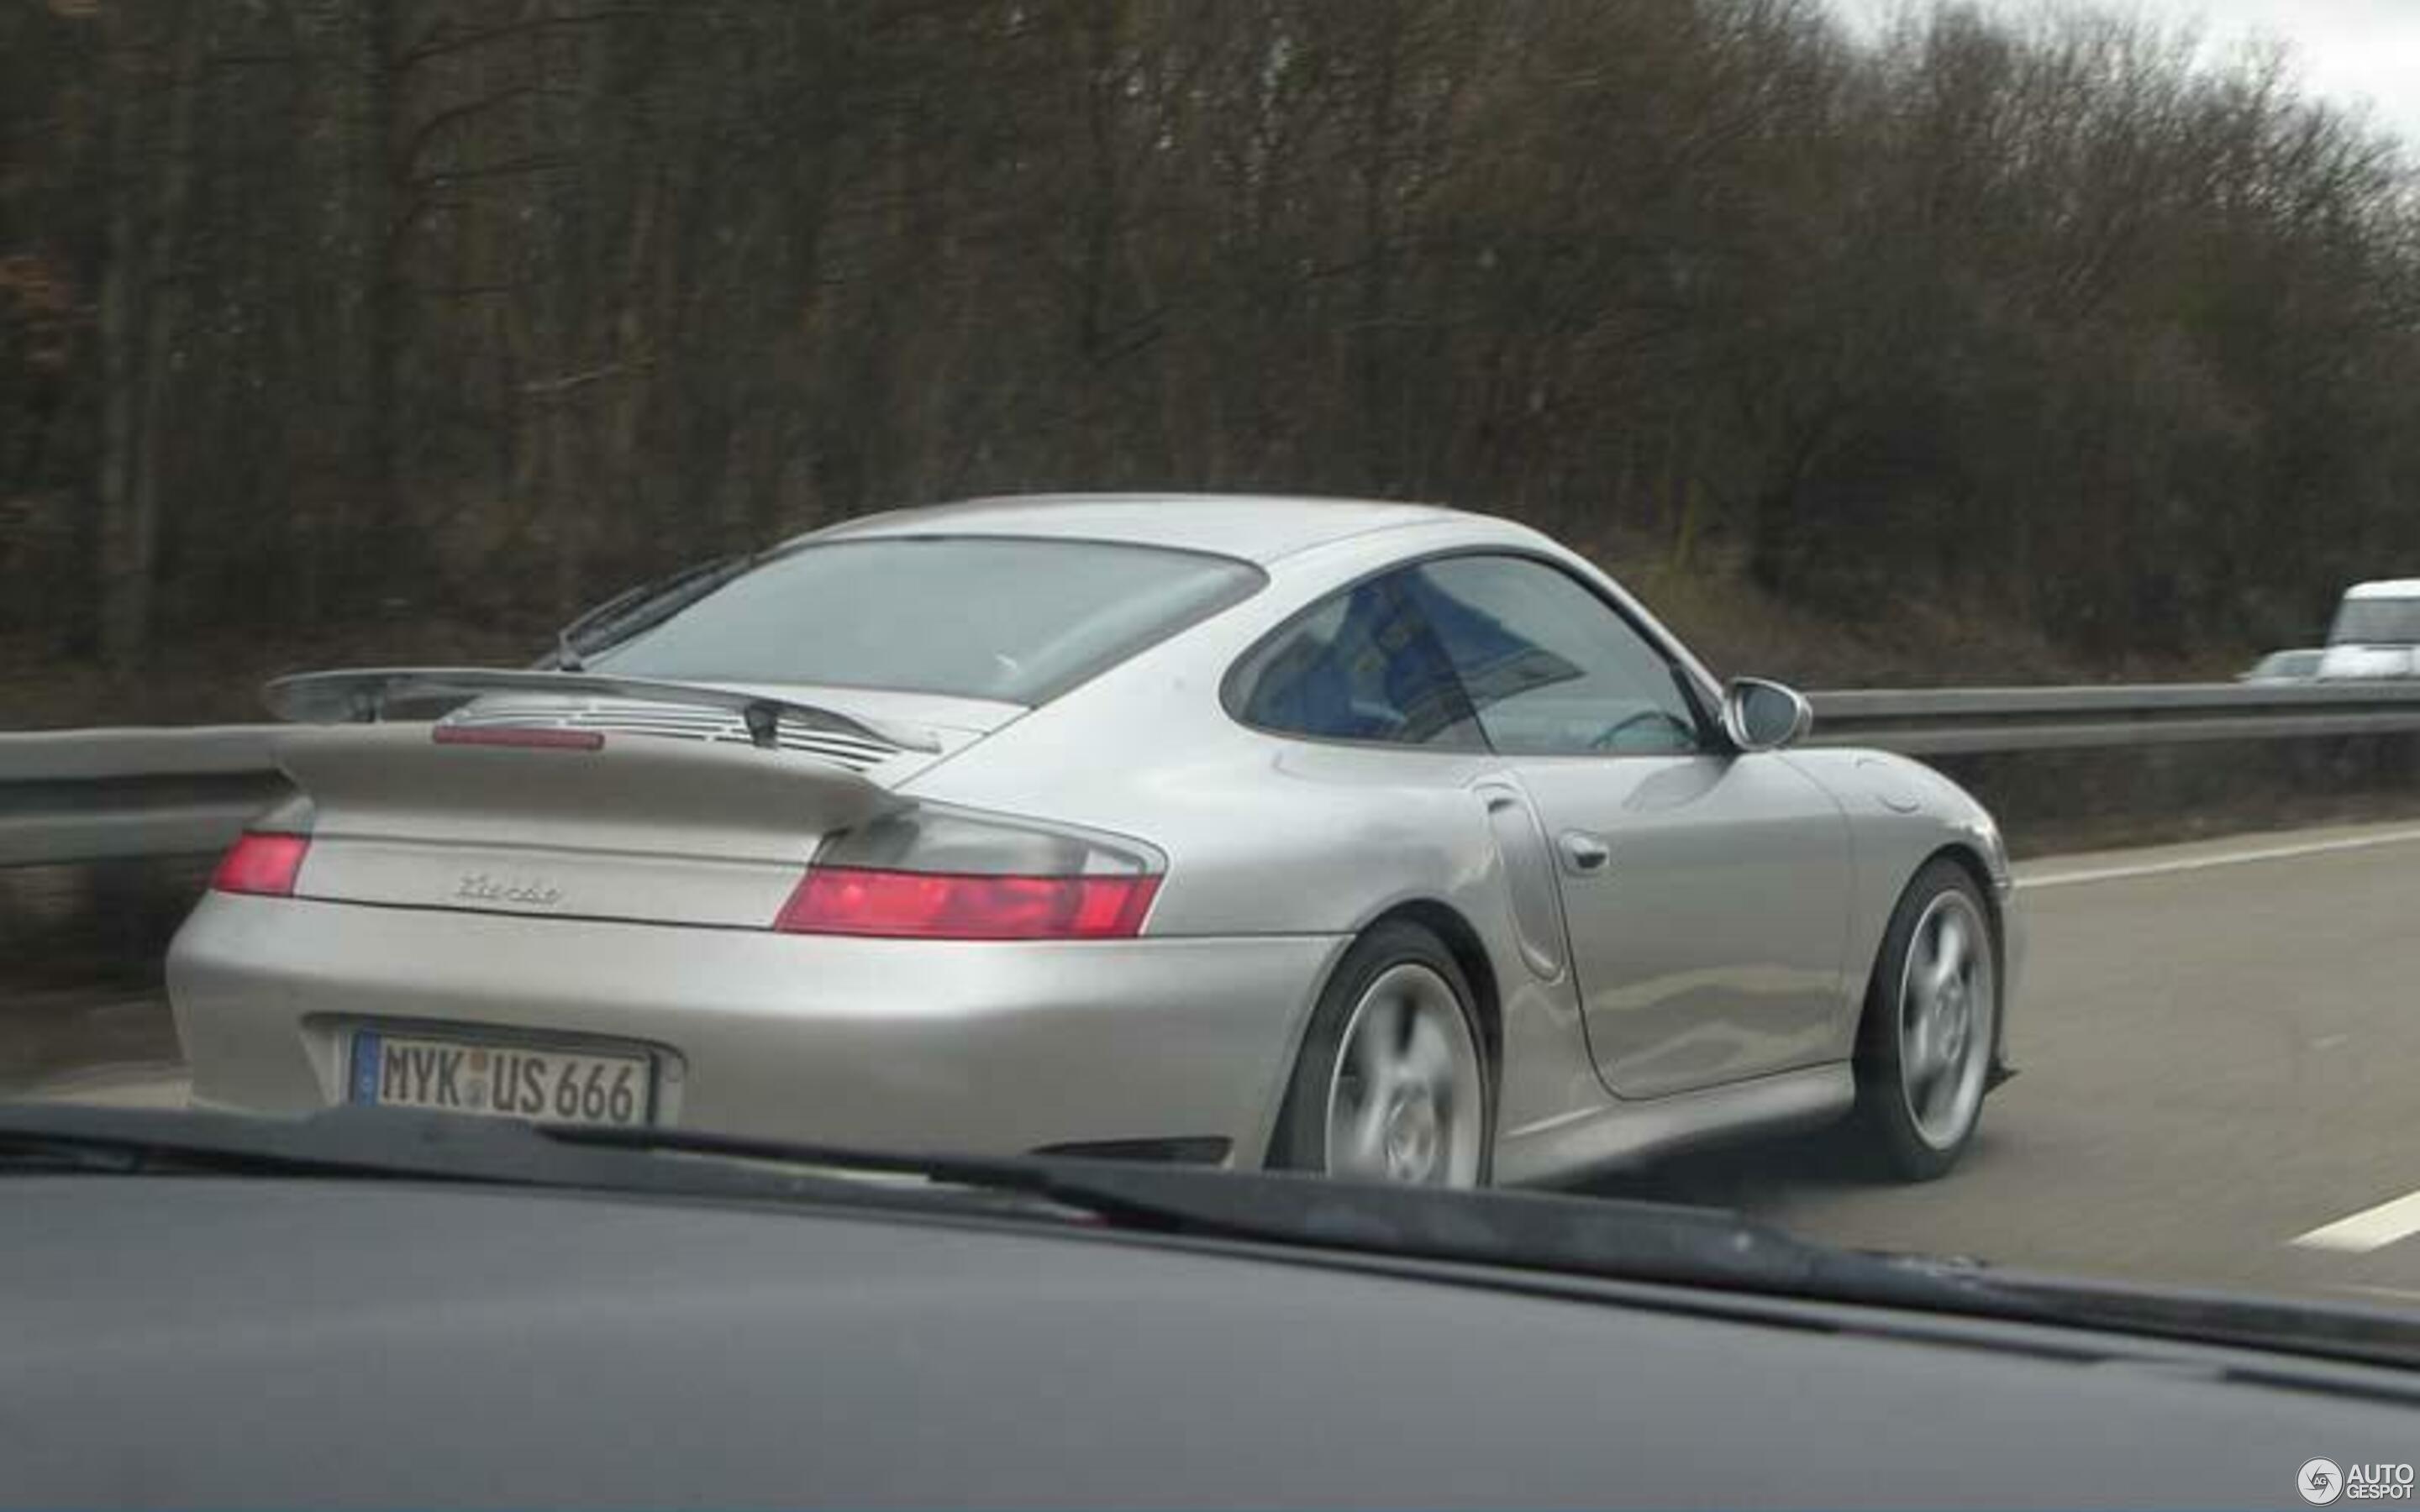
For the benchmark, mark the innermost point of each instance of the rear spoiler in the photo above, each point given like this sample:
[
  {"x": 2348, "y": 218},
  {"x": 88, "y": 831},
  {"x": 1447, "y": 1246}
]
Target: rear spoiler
[{"x": 364, "y": 695}]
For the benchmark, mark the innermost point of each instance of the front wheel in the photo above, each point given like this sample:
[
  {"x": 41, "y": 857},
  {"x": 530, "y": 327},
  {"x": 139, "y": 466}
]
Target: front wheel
[
  {"x": 1924, "y": 1053},
  {"x": 1392, "y": 1084}
]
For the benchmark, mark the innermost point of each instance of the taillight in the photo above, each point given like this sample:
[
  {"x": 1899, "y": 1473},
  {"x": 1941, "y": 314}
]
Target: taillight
[
  {"x": 931, "y": 872},
  {"x": 939, "y": 905},
  {"x": 261, "y": 864}
]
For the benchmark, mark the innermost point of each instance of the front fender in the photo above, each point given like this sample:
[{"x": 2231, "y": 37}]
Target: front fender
[{"x": 1901, "y": 815}]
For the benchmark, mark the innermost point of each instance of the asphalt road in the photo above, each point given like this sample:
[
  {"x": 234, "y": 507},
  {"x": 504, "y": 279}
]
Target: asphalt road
[{"x": 2219, "y": 1054}]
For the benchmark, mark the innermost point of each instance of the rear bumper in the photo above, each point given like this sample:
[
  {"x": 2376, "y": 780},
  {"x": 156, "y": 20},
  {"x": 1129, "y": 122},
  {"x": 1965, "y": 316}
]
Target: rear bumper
[{"x": 908, "y": 1045}]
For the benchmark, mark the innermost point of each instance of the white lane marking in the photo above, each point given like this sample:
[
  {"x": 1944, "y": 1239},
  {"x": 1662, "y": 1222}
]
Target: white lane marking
[
  {"x": 2204, "y": 863},
  {"x": 2369, "y": 1229}
]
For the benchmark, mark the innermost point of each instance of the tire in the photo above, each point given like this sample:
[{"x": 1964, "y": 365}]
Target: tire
[
  {"x": 1924, "y": 1056},
  {"x": 1398, "y": 1003}
]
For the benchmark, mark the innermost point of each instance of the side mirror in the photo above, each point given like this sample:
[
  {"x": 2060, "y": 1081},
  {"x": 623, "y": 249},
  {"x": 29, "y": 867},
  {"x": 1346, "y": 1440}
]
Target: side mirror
[{"x": 1762, "y": 716}]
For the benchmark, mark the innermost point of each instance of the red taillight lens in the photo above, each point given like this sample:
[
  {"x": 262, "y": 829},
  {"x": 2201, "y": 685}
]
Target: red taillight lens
[
  {"x": 261, "y": 864},
  {"x": 930, "y": 905}
]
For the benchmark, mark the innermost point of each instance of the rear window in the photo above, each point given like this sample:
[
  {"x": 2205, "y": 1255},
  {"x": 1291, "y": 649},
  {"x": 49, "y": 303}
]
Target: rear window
[
  {"x": 1015, "y": 621},
  {"x": 2378, "y": 622}
]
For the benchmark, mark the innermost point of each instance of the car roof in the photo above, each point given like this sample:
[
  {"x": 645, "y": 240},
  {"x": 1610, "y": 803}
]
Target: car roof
[
  {"x": 1254, "y": 527},
  {"x": 2386, "y": 588}
]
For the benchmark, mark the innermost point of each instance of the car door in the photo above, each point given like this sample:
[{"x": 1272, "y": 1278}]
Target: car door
[{"x": 1706, "y": 890}]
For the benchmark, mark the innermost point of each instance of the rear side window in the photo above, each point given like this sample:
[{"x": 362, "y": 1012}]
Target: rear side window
[
  {"x": 1360, "y": 666},
  {"x": 1015, "y": 619}
]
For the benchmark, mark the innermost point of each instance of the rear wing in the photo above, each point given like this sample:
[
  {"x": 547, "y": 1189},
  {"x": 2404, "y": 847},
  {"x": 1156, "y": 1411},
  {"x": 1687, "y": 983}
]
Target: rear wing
[{"x": 366, "y": 695}]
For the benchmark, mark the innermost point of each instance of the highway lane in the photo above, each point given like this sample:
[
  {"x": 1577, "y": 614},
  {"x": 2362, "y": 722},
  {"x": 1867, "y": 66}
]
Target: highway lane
[{"x": 2219, "y": 1052}]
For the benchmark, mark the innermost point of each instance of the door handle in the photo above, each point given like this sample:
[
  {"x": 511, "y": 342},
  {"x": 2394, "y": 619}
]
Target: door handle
[{"x": 1584, "y": 854}]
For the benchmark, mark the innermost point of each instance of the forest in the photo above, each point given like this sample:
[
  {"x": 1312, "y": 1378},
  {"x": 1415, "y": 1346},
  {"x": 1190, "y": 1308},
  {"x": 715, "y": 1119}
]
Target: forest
[{"x": 451, "y": 316}]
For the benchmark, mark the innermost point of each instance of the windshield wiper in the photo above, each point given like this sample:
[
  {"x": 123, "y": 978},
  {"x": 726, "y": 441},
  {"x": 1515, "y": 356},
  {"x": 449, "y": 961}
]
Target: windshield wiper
[
  {"x": 1607, "y": 1239},
  {"x": 1595, "y": 1237},
  {"x": 1588, "y": 1238},
  {"x": 388, "y": 1143},
  {"x": 635, "y": 610}
]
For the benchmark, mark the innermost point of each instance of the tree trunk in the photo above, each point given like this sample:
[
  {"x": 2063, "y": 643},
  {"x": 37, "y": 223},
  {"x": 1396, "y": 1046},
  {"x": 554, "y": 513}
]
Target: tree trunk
[
  {"x": 379, "y": 353},
  {"x": 1101, "y": 210},
  {"x": 1377, "y": 244},
  {"x": 165, "y": 320},
  {"x": 122, "y": 610},
  {"x": 143, "y": 324}
]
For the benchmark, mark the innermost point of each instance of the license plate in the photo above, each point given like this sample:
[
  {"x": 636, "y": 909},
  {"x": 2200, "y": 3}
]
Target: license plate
[{"x": 502, "y": 1081}]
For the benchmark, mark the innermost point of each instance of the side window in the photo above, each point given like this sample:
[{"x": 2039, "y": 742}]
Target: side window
[
  {"x": 1360, "y": 666},
  {"x": 1551, "y": 669}
]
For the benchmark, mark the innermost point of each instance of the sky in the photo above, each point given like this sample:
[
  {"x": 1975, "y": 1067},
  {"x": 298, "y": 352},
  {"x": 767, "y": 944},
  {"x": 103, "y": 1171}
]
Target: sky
[{"x": 2349, "y": 51}]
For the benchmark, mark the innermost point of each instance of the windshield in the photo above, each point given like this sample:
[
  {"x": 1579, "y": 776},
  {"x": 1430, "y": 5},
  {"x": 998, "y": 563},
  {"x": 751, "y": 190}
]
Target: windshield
[
  {"x": 1739, "y": 604},
  {"x": 1014, "y": 620},
  {"x": 2378, "y": 622}
]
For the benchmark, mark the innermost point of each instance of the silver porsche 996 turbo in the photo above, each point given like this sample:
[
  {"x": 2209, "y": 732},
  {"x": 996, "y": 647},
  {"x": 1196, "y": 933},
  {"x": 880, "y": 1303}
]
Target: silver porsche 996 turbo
[{"x": 1382, "y": 840}]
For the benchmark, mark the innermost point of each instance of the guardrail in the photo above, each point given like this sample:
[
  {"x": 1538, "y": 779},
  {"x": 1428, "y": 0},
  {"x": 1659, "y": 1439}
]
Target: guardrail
[
  {"x": 74, "y": 796},
  {"x": 70, "y": 795},
  {"x": 1975, "y": 721}
]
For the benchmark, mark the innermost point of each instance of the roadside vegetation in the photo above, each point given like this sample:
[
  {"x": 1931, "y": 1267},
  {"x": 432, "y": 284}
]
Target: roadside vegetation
[{"x": 1981, "y": 350}]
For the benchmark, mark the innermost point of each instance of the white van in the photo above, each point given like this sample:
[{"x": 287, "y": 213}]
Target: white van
[{"x": 2377, "y": 633}]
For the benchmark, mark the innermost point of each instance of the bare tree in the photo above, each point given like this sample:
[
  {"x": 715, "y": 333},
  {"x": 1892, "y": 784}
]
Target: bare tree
[{"x": 458, "y": 314}]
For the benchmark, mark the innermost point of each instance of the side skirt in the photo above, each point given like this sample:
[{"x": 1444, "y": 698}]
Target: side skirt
[{"x": 1620, "y": 1133}]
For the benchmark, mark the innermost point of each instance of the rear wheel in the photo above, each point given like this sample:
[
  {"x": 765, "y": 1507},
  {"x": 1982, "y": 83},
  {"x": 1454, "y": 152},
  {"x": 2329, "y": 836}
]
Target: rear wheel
[
  {"x": 1931, "y": 1016},
  {"x": 1392, "y": 1084}
]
